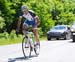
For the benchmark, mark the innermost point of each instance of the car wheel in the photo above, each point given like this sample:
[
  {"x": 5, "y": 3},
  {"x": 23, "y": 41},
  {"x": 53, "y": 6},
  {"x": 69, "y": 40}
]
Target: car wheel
[
  {"x": 48, "y": 38},
  {"x": 66, "y": 37},
  {"x": 70, "y": 35},
  {"x": 57, "y": 38}
]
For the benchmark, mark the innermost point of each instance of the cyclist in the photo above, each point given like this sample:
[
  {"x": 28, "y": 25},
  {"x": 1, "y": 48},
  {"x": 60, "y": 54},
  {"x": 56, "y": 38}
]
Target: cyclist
[{"x": 31, "y": 19}]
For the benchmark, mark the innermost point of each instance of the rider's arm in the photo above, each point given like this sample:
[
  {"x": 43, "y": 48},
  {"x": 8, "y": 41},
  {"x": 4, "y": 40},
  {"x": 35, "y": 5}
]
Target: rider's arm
[
  {"x": 19, "y": 21},
  {"x": 37, "y": 20}
]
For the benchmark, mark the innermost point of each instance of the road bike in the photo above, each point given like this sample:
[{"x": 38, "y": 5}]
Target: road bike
[{"x": 31, "y": 45}]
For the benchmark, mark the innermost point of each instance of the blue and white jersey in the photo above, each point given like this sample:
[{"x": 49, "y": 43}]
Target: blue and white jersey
[{"x": 30, "y": 16}]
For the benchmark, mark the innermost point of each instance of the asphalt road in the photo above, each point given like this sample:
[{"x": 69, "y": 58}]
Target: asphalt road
[{"x": 51, "y": 51}]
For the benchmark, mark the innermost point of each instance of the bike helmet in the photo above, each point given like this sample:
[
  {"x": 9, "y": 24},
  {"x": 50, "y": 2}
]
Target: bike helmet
[{"x": 24, "y": 7}]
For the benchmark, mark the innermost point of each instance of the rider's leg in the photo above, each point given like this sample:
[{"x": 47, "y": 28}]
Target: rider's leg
[
  {"x": 36, "y": 35},
  {"x": 24, "y": 29},
  {"x": 34, "y": 28}
]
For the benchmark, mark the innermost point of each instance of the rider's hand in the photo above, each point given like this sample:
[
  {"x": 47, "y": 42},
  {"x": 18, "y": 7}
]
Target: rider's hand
[{"x": 17, "y": 31}]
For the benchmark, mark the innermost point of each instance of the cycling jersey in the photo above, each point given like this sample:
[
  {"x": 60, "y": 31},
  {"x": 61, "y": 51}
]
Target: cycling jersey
[
  {"x": 30, "y": 20},
  {"x": 30, "y": 16}
]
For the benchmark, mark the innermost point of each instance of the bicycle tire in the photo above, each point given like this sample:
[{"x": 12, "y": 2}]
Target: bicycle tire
[
  {"x": 37, "y": 49},
  {"x": 23, "y": 48}
]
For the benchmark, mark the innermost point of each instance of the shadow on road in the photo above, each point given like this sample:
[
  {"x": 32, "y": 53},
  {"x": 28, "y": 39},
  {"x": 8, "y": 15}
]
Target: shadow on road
[{"x": 20, "y": 58}]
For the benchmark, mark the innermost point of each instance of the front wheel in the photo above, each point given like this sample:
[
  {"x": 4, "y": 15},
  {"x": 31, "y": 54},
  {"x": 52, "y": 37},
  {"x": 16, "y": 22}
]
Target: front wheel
[{"x": 26, "y": 50}]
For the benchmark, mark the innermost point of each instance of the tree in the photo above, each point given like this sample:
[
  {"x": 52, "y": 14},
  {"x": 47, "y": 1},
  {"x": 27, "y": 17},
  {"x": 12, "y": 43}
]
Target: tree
[
  {"x": 51, "y": 12},
  {"x": 2, "y": 23}
]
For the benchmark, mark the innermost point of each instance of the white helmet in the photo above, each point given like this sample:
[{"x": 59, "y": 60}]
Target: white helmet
[{"x": 24, "y": 7}]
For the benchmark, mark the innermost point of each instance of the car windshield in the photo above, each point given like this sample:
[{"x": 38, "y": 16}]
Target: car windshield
[{"x": 60, "y": 27}]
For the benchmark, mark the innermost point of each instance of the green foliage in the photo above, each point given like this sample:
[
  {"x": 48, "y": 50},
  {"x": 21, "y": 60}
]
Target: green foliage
[
  {"x": 12, "y": 38},
  {"x": 51, "y": 12},
  {"x": 6, "y": 35},
  {"x": 2, "y": 22},
  {"x": 13, "y": 34}
]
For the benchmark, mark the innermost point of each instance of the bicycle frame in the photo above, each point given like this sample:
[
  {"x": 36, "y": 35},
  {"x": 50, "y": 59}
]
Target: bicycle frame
[
  {"x": 31, "y": 40},
  {"x": 30, "y": 35}
]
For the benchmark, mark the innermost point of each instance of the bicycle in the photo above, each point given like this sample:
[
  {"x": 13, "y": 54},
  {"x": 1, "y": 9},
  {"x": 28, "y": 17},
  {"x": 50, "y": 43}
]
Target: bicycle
[{"x": 30, "y": 40}]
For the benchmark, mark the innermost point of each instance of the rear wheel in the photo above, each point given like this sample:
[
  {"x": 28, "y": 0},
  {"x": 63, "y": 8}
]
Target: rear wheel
[{"x": 37, "y": 49}]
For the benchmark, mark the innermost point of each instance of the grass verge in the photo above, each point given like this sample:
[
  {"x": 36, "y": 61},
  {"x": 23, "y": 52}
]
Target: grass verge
[{"x": 9, "y": 41}]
